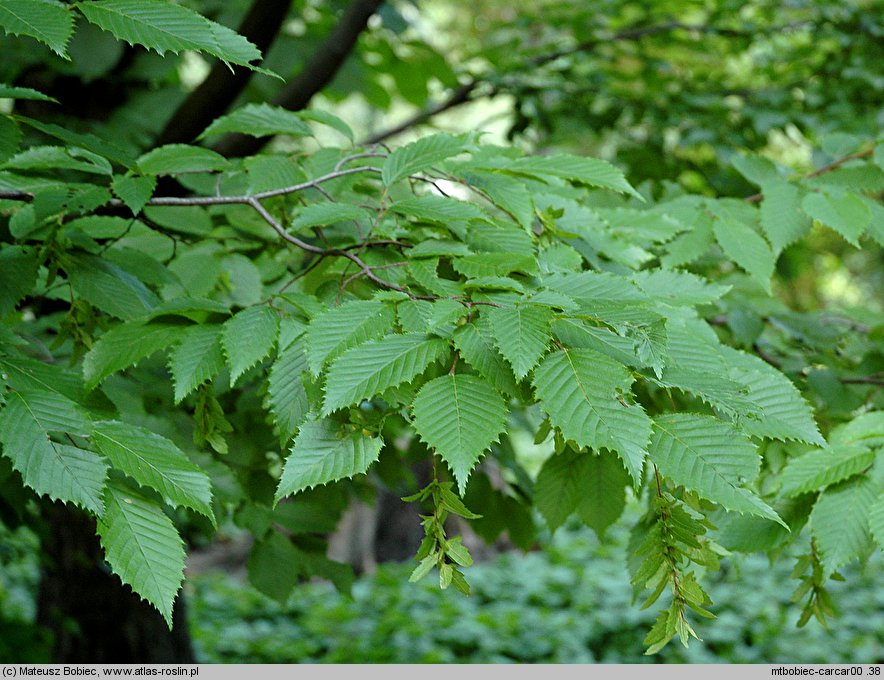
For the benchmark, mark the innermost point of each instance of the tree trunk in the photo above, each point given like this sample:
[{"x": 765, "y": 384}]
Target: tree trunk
[{"x": 94, "y": 617}]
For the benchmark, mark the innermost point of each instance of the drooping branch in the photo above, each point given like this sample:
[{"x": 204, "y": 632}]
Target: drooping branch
[
  {"x": 216, "y": 93},
  {"x": 316, "y": 74}
]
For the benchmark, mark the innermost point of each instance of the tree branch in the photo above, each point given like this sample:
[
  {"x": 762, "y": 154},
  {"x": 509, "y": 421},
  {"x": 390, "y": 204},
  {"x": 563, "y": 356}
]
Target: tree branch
[
  {"x": 216, "y": 93},
  {"x": 316, "y": 74}
]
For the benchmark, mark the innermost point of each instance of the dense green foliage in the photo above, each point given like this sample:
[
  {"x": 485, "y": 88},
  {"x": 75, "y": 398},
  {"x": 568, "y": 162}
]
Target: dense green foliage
[
  {"x": 196, "y": 334},
  {"x": 544, "y": 607}
]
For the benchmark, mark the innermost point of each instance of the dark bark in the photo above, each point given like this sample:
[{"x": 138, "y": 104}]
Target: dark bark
[
  {"x": 93, "y": 617},
  {"x": 316, "y": 74},
  {"x": 216, "y": 93}
]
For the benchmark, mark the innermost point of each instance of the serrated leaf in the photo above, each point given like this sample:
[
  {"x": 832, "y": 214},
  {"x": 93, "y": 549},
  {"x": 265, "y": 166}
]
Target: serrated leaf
[
  {"x": 743, "y": 245},
  {"x": 125, "y": 345},
  {"x": 259, "y": 120},
  {"x": 45, "y": 20},
  {"x": 285, "y": 387},
  {"x": 603, "y": 495},
  {"x": 134, "y": 190},
  {"x": 18, "y": 275},
  {"x": 248, "y": 337},
  {"x": 678, "y": 288},
  {"x": 867, "y": 429},
  {"x": 447, "y": 212},
  {"x": 782, "y": 413},
  {"x": 46, "y": 158},
  {"x": 164, "y": 26},
  {"x": 269, "y": 172},
  {"x": 507, "y": 193},
  {"x": 818, "y": 469},
  {"x": 781, "y": 216},
  {"x": 142, "y": 547},
  {"x": 329, "y": 120},
  {"x": 338, "y": 329},
  {"x": 579, "y": 169},
  {"x": 175, "y": 159},
  {"x": 14, "y": 92},
  {"x": 561, "y": 484},
  {"x": 60, "y": 471},
  {"x": 322, "y": 453},
  {"x": 196, "y": 359},
  {"x": 459, "y": 416},
  {"x": 494, "y": 264},
  {"x": 109, "y": 287},
  {"x": 521, "y": 333},
  {"x": 475, "y": 343},
  {"x": 325, "y": 214},
  {"x": 367, "y": 370},
  {"x": 579, "y": 334},
  {"x": 710, "y": 457},
  {"x": 840, "y": 521},
  {"x": 756, "y": 169},
  {"x": 154, "y": 461},
  {"x": 844, "y": 212},
  {"x": 421, "y": 155},
  {"x": 581, "y": 391}
]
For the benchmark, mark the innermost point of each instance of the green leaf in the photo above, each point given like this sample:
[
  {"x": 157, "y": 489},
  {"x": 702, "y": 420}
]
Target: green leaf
[
  {"x": 259, "y": 120},
  {"x": 507, "y": 193},
  {"x": 459, "y": 416},
  {"x": 125, "y": 345},
  {"x": 421, "y": 155},
  {"x": 60, "y": 471},
  {"x": 876, "y": 520},
  {"x": 579, "y": 169},
  {"x": 108, "y": 287},
  {"x": 494, "y": 264},
  {"x": 13, "y": 92},
  {"x": 133, "y": 190},
  {"x": 338, "y": 329},
  {"x": 197, "y": 359},
  {"x": 710, "y": 457},
  {"x": 756, "y": 169},
  {"x": 46, "y": 158},
  {"x": 581, "y": 391},
  {"x": 275, "y": 566},
  {"x": 156, "y": 462},
  {"x": 782, "y": 413},
  {"x": 475, "y": 343},
  {"x": 743, "y": 245},
  {"x": 174, "y": 159},
  {"x": 18, "y": 275},
  {"x": 840, "y": 521},
  {"x": 45, "y": 20},
  {"x": 374, "y": 366},
  {"x": 322, "y": 453},
  {"x": 142, "y": 547},
  {"x": 287, "y": 394},
  {"x": 603, "y": 495},
  {"x": 579, "y": 334},
  {"x": 248, "y": 337},
  {"x": 448, "y": 212},
  {"x": 326, "y": 214},
  {"x": 521, "y": 333},
  {"x": 845, "y": 213},
  {"x": 329, "y": 120},
  {"x": 867, "y": 429},
  {"x": 560, "y": 485},
  {"x": 781, "y": 216},
  {"x": 821, "y": 468},
  {"x": 678, "y": 288},
  {"x": 164, "y": 26}
]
